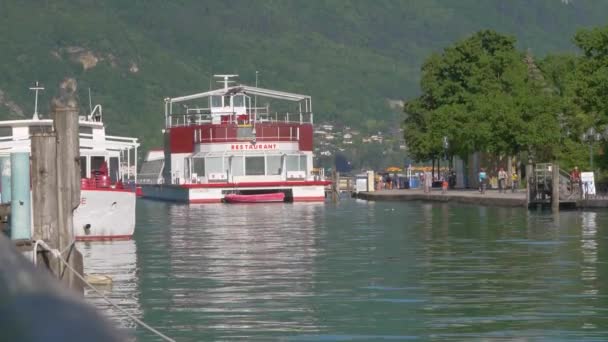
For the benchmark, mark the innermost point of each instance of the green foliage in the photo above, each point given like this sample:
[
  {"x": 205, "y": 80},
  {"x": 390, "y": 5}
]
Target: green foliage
[
  {"x": 592, "y": 80},
  {"x": 350, "y": 56},
  {"x": 482, "y": 95}
]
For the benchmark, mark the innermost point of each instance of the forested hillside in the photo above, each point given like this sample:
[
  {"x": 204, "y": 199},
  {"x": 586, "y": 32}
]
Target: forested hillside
[{"x": 351, "y": 56}]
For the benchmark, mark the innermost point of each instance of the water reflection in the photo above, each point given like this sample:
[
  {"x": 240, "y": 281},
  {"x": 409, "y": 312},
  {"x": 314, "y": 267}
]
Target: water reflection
[
  {"x": 118, "y": 260},
  {"x": 244, "y": 267},
  {"x": 589, "y": 250},
  {"x": 370, "y": 271}
]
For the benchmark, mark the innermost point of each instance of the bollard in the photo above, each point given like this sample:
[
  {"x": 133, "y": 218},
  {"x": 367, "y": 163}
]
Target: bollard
[
  {"x": 5, "y": 181},
  {"x": 20, "y": 202}
]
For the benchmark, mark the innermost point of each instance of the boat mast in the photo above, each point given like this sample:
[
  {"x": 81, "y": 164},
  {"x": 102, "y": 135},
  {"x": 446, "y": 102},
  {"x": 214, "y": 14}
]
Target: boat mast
[{"x": 36, "y": 88}]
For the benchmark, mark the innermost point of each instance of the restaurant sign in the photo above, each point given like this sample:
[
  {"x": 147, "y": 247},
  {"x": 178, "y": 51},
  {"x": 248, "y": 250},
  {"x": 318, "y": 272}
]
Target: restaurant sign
[{"x": 261, "y": 146}]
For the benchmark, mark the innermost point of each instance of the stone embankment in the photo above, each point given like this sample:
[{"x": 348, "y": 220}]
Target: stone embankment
[{"x": 490, "y": 198}]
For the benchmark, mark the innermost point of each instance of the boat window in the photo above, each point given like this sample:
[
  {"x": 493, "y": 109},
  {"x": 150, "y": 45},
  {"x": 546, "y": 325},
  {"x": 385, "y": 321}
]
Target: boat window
[
  {"x": 296, "y": 163},
  {"x": 187, "y": 169},
  {"x": 303, "y": 163},
  {"x": 85, "y": 130},
  {"x": 216, "y": 101},
  {"x": 6, "y": 131},
  {"x": 238, "y": 100},
  {"x": 83, "y": 167},
  {"x": 198, "y": 167},
  {"x": 114, "y": 171},
  {"x": 273, "y": 165},
  {"x": 96, "y": 163},
  {"x": 254, "y": 166},
  {"x": 236, "y": 165},
  {"x": 227, "y": 101},
  {"x": 214, "y": 165}
]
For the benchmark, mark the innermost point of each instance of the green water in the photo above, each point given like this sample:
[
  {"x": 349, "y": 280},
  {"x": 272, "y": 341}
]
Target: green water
[{"x": 359, "y": 271}]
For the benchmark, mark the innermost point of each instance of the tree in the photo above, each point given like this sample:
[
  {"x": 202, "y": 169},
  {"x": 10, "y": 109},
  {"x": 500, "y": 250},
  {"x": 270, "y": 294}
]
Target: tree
[
  {"x": 592, "y": 72},
  {"x": 484, "y": 95}
]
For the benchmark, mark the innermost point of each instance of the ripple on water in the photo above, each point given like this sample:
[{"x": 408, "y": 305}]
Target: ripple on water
[{"x": 360, "y": 271}]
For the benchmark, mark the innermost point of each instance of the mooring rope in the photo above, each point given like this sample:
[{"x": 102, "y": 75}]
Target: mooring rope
[{"x": 57, "y": 254}]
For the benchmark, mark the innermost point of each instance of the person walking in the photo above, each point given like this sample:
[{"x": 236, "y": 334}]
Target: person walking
[
  {"x": 514, "y": 181},
  {"x": 575, "y": 180},
  {"x": 502, "y": 180},
  {"x": 482, "y": 181}
]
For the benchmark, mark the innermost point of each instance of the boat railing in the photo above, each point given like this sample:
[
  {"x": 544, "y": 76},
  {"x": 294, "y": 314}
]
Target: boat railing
[
  {"x": 100, "y": 182},
  {"x": 189, "y": 119},
  {"x": 8, "y": 143},
  {"x": 229, "y": 133}
]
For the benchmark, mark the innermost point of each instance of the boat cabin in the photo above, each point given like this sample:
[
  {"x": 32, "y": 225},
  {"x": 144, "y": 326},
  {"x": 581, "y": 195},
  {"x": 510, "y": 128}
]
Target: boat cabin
[
  {"x": 231, "y": 138},
  {"x": 99, "y": 153}
]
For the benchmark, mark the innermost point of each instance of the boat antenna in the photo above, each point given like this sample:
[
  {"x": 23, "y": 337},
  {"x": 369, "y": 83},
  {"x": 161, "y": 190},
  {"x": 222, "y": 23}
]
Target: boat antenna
[
  {"x": 36, "y": 88},
  {"x": 90, "y": 102},
  {"x": 226, "y": 80}
]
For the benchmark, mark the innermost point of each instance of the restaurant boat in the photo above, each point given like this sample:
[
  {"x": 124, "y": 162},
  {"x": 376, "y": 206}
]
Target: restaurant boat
[
  {"x": 222, "y": 142},
  {"x": 108, "y": 173}
]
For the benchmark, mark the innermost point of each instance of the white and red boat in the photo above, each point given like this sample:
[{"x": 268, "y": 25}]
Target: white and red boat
[
  {"x": 108, "y": 174},
  {"x": 222, "y": 143}
]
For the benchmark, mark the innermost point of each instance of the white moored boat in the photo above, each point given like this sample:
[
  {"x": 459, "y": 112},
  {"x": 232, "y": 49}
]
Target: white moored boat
[
  {"x": 108, "y": 174},
  {"x": 232, "y": 146}
]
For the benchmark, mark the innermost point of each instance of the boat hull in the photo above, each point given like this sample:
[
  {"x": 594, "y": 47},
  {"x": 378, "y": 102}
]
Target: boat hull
[
  {"x": 105, "y": 214},
  {"x": 298, "y": 191},
  {"x": 257, "y": 198}
]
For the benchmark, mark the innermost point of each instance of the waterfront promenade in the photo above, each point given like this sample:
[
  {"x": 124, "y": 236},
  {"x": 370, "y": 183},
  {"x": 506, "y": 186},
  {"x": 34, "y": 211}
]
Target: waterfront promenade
[
  {"x": 469, "y": 196},
  {"x": 491, "y": 197}
]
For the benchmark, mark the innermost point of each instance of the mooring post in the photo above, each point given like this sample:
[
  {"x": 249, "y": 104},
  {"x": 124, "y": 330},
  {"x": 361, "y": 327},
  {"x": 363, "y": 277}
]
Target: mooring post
[
  {"x": 5, "y": 181},
  {"x": 65, "y": 123},
  {"x": 529, "y": 177},
  {"x": 335, "y": 185},
  {"x": 44, "y": 189},
  {"x": 20, "y": 191},
  {"x": 555, "y": 187}
]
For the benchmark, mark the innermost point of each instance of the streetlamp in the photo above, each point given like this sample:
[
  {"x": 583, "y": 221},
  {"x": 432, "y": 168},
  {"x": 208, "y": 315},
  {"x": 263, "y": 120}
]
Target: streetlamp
[
  {"x": 255, "y": 100},
  {"x": 591, "y": 136}
]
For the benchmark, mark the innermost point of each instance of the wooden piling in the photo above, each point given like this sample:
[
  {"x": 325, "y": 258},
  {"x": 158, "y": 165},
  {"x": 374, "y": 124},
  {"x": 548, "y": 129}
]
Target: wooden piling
[
  {"x": 44, "y": 189},
  {"x": 529, "y": 177},
  {"x": 555, "y": 187},
  {"x": 65, "y": 123},
  {"x": 335, "y": 186}
]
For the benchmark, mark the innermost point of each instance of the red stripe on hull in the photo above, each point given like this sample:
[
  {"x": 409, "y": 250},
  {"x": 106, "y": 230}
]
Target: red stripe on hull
[
  {"x": 309, "y": 199},
  {"x": 255, "y": 184},
  {"x": 103, "y": 237},
  {"x": 205, "y": 200}
]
